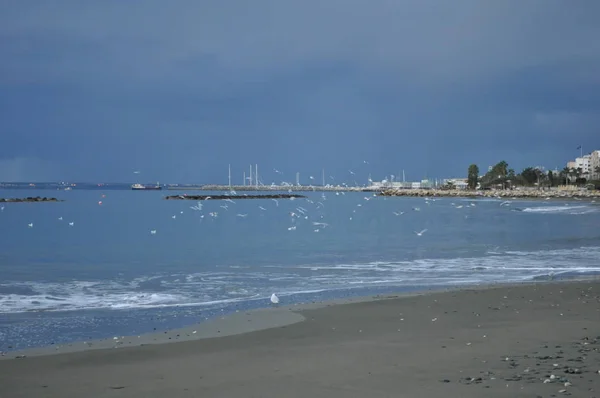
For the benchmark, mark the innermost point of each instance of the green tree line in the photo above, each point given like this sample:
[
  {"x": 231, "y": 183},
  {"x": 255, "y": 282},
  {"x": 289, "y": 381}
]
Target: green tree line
[{"x": 503, "y": 177}]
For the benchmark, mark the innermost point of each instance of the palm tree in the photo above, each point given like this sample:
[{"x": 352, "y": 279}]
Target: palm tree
[{"x": 565, "y": 173}]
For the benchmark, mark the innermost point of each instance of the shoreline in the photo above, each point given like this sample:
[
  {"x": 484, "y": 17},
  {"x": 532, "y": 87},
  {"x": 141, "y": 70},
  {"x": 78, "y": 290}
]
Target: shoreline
[
  {"x": 525, "y": 340},
  {"x": 245, "y": 321},
  {"x": 507, "y": 194}
]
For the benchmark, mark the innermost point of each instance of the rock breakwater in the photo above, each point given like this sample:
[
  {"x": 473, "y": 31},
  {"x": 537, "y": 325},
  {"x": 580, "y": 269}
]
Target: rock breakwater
[
  {"x": 29, "y": 200},
  {"x": 529, "y": 194},
  {"x": 236, "y": 197}
]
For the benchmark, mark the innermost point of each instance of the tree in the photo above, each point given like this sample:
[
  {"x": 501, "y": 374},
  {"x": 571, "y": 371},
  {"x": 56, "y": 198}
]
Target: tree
[
  {"x": 473, "y": 176},
  {"x": 551, "y": 178},
  {"x": 496, "y": 176},
  {"x": 529, "y": 175},
  {"x": 565, "y": 175}
]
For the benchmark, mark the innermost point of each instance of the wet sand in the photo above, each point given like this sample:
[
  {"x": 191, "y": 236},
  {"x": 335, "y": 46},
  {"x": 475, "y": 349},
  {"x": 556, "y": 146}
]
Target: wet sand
[{"x": 539, "y": 340}]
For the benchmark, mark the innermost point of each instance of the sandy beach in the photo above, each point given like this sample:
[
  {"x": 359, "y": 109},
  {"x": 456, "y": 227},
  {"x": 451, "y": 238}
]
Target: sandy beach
[{"x": 534, "y": 340}]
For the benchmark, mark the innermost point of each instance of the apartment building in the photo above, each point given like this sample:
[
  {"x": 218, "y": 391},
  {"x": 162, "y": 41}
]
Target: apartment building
[
  {"x": 584, "y": 163},
  {"x": 588, "y": 164}
]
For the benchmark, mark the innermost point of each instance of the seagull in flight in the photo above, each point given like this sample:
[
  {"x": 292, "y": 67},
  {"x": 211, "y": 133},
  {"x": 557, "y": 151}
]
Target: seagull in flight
[
  {"x": 276, "y": 201},
  {"x": 421, "y": 233},
  {"x": 398, "y": 213},
  {"x": 152, "y": 232},
  {"x": 242, "y": 215}
]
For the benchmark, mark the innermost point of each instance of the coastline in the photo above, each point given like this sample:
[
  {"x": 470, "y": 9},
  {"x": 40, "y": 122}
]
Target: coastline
[
  {"x": 495, "y": 194},
  {"x": 500, "y": 340},
  {"x": 256, "y": 319}
]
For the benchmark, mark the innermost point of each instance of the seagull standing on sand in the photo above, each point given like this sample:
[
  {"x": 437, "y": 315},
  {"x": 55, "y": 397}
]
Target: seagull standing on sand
[{"x": 274, "y": 299}]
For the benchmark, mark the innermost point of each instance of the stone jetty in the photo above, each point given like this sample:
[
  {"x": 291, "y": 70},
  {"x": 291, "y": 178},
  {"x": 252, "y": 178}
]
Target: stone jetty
[
  {"x": 236, "y": 197},
  {"x": 514, "y": 193},
  {"x": 29, "y": 200}
]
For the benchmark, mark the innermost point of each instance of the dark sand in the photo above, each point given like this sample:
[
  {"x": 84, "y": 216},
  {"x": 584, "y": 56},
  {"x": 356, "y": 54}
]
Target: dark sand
[{"x": 520, "y": 341}]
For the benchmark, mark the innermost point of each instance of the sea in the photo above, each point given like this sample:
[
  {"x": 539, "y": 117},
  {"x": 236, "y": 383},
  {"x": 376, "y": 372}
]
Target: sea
[{"x": 121, "y": 262}]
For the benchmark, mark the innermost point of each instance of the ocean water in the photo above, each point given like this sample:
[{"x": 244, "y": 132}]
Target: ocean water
[{"x": 107, "y": 274}]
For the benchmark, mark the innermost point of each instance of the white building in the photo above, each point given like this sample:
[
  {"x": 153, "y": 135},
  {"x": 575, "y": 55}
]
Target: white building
[
  {"x": 459, "y": 183},
  {"x": 584, "y": 163}
]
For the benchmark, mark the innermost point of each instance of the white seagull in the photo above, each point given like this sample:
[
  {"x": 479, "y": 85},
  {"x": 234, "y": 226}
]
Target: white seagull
[
  {"x": 421, "y": 233},
  {"x": 274, "y": 299}
]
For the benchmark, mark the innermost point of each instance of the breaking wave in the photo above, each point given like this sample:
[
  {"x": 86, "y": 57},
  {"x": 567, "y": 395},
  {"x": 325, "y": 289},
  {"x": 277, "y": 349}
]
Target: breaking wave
[
  {"x": 573, "y": 210},
  {"x": 234, "y": 284}
]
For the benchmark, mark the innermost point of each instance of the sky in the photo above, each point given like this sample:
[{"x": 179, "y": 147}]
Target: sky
[{"x": 178, "y": 90}]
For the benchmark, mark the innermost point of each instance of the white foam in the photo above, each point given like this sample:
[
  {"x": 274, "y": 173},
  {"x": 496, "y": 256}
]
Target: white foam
[
  {"x": 216, "y": 289},
  {"x": 560, "y": 209}
]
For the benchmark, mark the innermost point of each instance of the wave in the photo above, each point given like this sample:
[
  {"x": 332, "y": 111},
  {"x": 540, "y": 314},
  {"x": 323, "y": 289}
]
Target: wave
[
  {"x": 219, "y": 289},
  {"x": 573, "y": 210}
]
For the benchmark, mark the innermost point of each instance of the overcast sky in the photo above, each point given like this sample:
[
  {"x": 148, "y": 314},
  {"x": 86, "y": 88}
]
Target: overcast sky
[{"x": 95, "y": 90}]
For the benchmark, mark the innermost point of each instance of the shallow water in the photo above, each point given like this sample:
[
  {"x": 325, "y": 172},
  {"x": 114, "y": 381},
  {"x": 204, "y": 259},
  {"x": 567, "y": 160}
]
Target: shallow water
[{"x": 108, "y": 274}]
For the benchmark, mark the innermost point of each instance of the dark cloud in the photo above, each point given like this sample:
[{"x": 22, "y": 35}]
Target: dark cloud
[{"x": 94, "y": 90}]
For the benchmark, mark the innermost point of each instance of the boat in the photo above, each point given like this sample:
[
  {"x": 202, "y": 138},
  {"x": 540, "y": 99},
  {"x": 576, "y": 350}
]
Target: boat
[{"x": 140, "y": 187}]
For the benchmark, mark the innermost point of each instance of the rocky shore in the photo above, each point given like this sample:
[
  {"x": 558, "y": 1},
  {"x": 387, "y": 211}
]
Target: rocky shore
[
  {"x": 237, "y": 197},
  {"x": 529, "y": 194},
  {"x": 29, "y": 199}
]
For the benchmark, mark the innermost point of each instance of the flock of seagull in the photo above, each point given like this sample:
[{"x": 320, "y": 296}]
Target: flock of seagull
[
  {"x": 318, "y": 220},
  {"x": 298, "y": 213}
]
